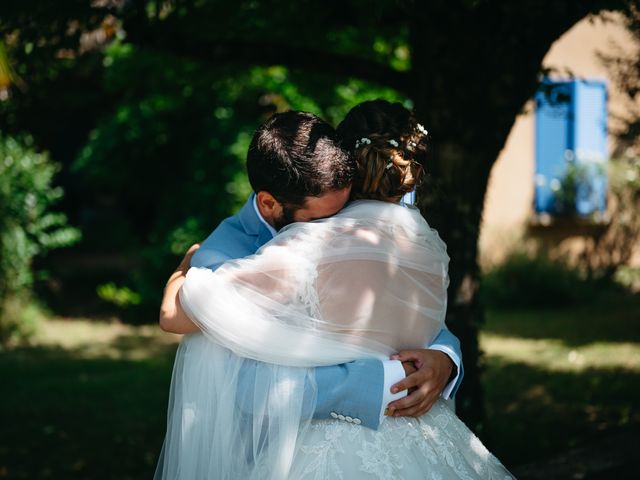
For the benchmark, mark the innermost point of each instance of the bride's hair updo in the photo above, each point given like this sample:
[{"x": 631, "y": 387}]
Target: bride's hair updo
[
  {"x": 388, "y": 146},
  {"x": 384, "y": 171}
]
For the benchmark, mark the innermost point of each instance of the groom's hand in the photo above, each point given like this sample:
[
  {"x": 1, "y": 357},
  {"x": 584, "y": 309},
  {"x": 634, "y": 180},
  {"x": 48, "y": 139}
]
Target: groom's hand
[{"x": 425, "y": 385}]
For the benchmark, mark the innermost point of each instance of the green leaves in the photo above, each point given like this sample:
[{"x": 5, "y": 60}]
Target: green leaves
[
  {"x": 28, "y": 227},
  {"x": 121, "y": 296}
]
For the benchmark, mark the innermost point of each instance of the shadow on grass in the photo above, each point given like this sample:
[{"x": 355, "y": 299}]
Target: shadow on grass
[
  {"x": 67, "y": 416},
  {"x": 533, "y": 414},
  {"x": 126, "y": 347},
  {"x": 97, "y": 409},
  {"x": 615, "y": 318}
]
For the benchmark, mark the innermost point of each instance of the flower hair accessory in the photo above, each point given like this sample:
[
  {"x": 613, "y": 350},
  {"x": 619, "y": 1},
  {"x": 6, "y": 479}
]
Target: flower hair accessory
[
  {"x": 363, "y": 141},
  {"x": 393, "y": 143},
  {"x": 421, "y": 129}
]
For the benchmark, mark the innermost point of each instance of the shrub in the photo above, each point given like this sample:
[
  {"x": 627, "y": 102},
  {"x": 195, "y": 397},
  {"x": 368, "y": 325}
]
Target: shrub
[
  {"x": 28, "y": 228},
  {"x": 535, "y": 281}
]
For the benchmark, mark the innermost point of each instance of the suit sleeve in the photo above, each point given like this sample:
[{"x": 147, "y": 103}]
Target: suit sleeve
[
  {"x": 448, "y": 343},
  {"x": 352, "y": 392}
]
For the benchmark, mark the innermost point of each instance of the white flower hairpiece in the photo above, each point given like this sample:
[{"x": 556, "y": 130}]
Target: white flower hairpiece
[
  {"x": 394, "y": 143},
  {"x": 421, "y": 129},
  {"x": 363, "y": 141}
]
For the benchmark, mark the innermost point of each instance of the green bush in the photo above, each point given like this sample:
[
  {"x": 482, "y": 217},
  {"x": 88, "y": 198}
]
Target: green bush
[
  {"x": 28, "y": 228},
  {"x": 21, "y": 316},
  {"x": 535, "y": 281}
]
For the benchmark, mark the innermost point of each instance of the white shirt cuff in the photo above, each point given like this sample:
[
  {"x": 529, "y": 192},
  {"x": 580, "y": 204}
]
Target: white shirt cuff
[
  {"x": 393, "y": 373},
  {"x": 446, "y": 393}
]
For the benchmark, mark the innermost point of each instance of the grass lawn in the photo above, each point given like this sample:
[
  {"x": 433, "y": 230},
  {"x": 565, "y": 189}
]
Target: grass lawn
[
  {"x": 555, "y": 379},
  {"x": 88, "y": 399}
]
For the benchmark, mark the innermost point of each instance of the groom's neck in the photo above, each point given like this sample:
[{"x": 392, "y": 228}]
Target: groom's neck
[
  {"x": 268, "y": 207},
  {"x": 266, "y": 216}
]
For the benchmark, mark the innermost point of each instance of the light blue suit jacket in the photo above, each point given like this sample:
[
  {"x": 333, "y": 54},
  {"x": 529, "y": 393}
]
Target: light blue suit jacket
[{"x": 352, "y": 389}]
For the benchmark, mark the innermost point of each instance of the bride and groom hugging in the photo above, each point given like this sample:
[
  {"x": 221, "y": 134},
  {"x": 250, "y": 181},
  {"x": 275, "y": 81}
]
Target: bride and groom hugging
[{"x": 323, "y": 351}]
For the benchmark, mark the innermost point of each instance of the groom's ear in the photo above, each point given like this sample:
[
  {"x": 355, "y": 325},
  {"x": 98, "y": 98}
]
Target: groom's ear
[{"x": 269, "y": 207}]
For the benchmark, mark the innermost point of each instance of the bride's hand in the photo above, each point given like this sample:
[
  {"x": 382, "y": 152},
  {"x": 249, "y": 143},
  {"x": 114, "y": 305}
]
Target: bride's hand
[
  {"x": 185, "y": 264},
  {"x": 425, "y": 385}
]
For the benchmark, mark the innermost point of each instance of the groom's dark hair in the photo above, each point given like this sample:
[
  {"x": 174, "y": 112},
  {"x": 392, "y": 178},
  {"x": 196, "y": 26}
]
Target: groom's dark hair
[{"x": 295, "y": 155}]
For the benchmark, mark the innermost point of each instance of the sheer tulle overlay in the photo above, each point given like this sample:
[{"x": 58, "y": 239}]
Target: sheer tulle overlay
[{"x": 365, "y": 283}]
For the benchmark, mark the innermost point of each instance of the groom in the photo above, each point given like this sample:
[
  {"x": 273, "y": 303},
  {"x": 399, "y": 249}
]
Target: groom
[{"x": 299, "y": 174}]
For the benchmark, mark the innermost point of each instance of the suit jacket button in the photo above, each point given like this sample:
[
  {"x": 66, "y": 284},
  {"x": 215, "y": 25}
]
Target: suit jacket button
[
  {"x": 357, "y": 421},
  {"x": 348, "y": 419},
  {"x": 340, "y": 417},
  {"x": 334, "y": 415}
]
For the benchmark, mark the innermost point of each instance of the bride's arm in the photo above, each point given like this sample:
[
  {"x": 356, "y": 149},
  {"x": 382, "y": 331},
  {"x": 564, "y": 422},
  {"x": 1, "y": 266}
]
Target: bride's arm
[
  {"x": 172, "y": 316},
  {"x": 275, "y": 284}
]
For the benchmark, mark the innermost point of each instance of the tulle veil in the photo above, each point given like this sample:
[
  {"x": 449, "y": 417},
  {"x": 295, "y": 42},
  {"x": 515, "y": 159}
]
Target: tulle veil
[{"x": 363, "y": 284}]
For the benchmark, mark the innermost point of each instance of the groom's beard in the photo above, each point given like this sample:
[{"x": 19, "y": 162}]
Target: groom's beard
[{"x": 286, "y": 218}]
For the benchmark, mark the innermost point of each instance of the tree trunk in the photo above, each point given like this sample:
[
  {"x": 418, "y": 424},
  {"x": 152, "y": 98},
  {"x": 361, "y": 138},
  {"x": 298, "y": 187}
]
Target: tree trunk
[
  {"x": 453, "y": 206},
  {"x": 469, "y": 86}
]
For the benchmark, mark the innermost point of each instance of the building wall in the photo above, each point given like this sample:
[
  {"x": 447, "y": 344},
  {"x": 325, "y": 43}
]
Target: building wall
[{"x": 509, "y": 199}]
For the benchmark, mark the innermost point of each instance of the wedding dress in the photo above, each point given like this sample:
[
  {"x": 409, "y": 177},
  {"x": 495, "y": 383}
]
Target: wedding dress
[{"x": 366, "y": 283}]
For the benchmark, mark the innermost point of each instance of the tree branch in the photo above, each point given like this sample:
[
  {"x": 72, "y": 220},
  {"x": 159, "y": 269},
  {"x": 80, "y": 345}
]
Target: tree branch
[{"x": 266, "y": 54}]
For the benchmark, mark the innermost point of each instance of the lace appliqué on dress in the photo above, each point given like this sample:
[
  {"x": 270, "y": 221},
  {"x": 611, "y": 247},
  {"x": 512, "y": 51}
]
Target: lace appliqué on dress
[
  {"x": 436, "y": 446},
  {"x": 324, "y": 465},
  {"x": 380, "y": 458}
]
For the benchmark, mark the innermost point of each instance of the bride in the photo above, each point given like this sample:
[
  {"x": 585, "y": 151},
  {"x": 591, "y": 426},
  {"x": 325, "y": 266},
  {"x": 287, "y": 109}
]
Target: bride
[{"x": 367, "y": 282}]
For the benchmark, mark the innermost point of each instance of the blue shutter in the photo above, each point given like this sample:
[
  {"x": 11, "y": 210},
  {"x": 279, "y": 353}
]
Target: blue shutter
[
  {"x": 554, "y": 104},
  {"x": 571, "y": 139},
  {"x": 591, "y": 145}
]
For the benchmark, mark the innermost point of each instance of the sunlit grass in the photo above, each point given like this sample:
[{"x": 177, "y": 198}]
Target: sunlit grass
[
  {"x": 556, "y": 378},
  {"x": 87, "y": 392},
  {"x": 106, "y": 339},
  {"x": 555, "y": 355},
  {"x": 86, "y": 400}
]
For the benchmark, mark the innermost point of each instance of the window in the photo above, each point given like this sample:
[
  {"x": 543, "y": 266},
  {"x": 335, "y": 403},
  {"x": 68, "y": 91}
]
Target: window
[{"x": 571, "y": 148}]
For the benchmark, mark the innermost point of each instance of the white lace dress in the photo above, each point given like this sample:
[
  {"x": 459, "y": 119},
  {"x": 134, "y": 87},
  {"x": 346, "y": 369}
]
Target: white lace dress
[
  {"x": 436, "y": 446},
  {"x": 365, "y": 283}
]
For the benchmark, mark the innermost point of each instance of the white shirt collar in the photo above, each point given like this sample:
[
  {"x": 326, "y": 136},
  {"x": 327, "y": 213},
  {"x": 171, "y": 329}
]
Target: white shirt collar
[{"x": 261, "y": 218}]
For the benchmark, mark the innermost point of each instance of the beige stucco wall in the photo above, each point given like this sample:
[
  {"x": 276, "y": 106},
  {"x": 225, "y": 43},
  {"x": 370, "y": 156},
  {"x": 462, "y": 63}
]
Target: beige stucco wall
[{"x": 509, "y": 199}]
